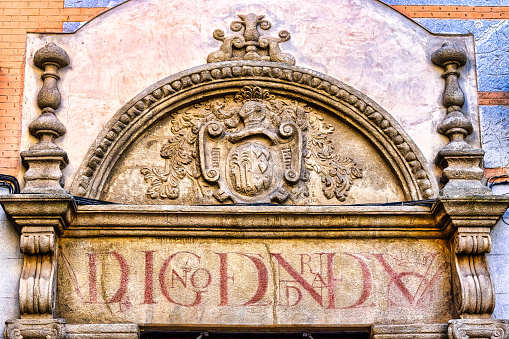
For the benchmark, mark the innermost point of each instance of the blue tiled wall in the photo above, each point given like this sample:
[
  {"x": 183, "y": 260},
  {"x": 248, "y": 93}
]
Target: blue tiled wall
[
  {"x": 92, "y": 3},
  {"x": 492, "y": 46}
]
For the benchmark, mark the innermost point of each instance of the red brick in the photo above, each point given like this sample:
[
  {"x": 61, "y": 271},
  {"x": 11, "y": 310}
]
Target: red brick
[
  {"x": 9, "y": 133},
  {"x": 7, "y": 120},
  {"x": 9, "y": 140},
  {"x": 9, "y": 163}
]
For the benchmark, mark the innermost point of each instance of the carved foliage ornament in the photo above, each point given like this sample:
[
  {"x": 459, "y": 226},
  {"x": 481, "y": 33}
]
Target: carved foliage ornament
[
  {"x": 251, "y": 147},
  {"x": 249, "y": 45}
]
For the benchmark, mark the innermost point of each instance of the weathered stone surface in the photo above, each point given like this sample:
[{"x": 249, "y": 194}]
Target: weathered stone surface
[{"x": 253, "y": 282}]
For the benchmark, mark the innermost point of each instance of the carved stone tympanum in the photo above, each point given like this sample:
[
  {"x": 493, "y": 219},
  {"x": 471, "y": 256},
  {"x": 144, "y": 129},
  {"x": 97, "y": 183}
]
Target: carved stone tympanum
[{"x": 251, "y": 147}]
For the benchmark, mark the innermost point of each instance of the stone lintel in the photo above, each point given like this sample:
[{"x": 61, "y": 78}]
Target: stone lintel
[
  {"x": 40, "y": 210},
  {"x": 104, "y": 331},
  {"x": 255, "y": 221},
  {"x": 410, "y": 331},
  {"x": 58, "y": 329}
]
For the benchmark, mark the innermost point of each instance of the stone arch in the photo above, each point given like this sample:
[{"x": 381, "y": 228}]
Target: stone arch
[{"x": 222, "y": 78}]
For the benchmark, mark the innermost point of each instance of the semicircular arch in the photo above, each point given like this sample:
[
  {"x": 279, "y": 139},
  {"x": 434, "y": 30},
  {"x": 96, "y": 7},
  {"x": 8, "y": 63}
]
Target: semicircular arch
[{"x": 226, "y": 78}]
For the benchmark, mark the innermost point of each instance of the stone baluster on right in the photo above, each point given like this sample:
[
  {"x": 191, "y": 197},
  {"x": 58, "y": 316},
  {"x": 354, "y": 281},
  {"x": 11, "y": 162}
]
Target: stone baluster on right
[{"x": 461, "y": 163}]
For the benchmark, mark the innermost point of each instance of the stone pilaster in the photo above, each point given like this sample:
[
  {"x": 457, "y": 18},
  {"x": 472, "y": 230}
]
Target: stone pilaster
[
  {"x": 40, "y": 218},
  {"x": 471, "y": 219}
]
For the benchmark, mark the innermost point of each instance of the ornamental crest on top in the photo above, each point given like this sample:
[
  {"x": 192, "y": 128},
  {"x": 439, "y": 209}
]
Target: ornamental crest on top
[
  {"x": 251, "y": 148},
  {"x": 249, "y": 45}
]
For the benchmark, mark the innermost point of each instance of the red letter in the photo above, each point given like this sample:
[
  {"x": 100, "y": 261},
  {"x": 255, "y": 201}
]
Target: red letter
[
  {"x": 124, "y": 278},
  {"x": 298, "y": 278},
  {"x": 331, "y": 281},
  {"x": 149, "y": 270},
  {"x": 367, "y": 280},
  {"x": 92, "y": 277},
  {"x": 299, "y": 295},
  {"x": 162, "y": 281},
  {"x": 263, "y": 280},
  {"x": 302, "y": 263},
  {"x": 223, "y": 279}
]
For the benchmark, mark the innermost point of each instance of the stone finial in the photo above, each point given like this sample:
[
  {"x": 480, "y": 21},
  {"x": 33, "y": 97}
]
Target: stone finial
[
  {"x": 250, "y": 45},
  {"x": 461, "y": 163},
  {"x": 45, "y": 160}
]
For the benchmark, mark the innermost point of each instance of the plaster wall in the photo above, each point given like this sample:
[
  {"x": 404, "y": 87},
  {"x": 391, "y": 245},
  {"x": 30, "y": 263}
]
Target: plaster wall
[{"x": 365, "y": 44}]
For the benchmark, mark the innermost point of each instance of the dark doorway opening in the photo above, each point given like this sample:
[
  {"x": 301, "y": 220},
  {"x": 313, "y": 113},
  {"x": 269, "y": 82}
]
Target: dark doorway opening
[{"x": 255, "y": 335}]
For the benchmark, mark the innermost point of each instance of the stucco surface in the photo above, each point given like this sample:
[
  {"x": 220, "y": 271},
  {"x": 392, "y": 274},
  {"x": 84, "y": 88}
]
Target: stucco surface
[{"x": 365, "y": 44}]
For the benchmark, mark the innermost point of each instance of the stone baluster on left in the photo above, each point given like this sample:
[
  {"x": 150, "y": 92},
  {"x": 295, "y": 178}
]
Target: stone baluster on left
[
  {"x": 42, "y": 210},
  {"x": 45, "y": 160}
]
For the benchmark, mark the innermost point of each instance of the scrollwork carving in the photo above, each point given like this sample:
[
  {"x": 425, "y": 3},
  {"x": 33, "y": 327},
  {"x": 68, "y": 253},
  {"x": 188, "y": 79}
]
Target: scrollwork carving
[
  {"x": 472, "y": 243},
  {"x": 478, "y": 329},
  {"x": 34, "y": 240},
  {"x": 250, "y": 45},
  {"x": 473, "y": 286},
  {"x": 35, "y": 329},
  {"x": 268, "y": 144},
  {"x": 36, "y": 284}
]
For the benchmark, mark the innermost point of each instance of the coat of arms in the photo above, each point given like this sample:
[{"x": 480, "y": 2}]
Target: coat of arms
[{"x": 251, "y": 148}]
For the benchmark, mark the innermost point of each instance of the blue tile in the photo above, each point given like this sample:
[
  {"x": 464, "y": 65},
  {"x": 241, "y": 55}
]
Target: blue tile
[
  {"x": 71, "y": 26},
  {"x": 492, "y": 48},
  {"x": 495, "y": 135},
  {"x": 92, "y": 3}
]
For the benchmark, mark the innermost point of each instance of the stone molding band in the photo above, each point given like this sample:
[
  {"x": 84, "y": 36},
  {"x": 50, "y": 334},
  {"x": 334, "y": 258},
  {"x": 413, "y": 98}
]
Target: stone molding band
[{"x": 220, "y": 78}]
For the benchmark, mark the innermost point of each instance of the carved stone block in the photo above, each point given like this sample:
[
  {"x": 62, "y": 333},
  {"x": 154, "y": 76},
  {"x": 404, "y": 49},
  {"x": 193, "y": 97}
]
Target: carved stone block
[
  {"x": 36, "y": 240},
  {"x": 35, "y": 329},
  {"x": 478, "y": 328}
]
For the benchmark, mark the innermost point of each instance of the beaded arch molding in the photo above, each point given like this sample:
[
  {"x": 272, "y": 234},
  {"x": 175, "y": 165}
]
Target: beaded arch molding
[{"x": 222, "y": 78}]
